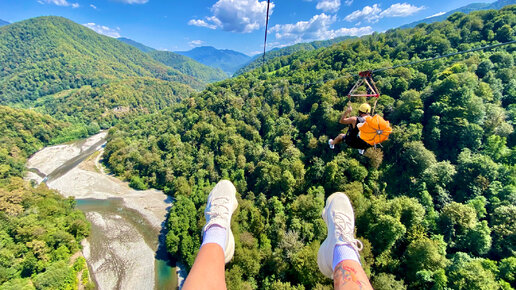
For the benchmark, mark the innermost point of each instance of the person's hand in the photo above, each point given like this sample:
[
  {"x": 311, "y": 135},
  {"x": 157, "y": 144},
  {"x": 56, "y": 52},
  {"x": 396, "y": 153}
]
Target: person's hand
[{"x": 348, "y": 110}]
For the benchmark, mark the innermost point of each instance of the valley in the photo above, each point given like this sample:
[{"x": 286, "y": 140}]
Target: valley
[{"x": 126, "y": 224}]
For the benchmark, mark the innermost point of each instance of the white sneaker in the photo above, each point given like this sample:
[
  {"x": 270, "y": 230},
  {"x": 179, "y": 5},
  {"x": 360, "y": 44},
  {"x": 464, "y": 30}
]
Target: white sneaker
[
  {"x": 340, "y": 221},
  {"x": 330, "y": 142},
  {"x": 221, "y": 204}
]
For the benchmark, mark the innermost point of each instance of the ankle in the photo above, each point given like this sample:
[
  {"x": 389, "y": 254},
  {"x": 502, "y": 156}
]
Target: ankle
[
  {"x": 215, "y": 234},
  {"x": 344, "y": 252}
]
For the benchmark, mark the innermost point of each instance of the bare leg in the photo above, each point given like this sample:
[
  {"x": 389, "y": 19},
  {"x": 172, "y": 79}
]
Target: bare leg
[
  {"x": 338, "y": 139},
  {"x": 218, "y": 244},
  {"x": 208, "y": 269},
  {"x": 338, "y": 257},
  {"x": 349, "y": 275}
]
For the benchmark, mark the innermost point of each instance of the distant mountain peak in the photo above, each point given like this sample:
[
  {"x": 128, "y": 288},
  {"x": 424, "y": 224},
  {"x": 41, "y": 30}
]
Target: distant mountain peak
[
  {"x": 136, "y": 44},
  {"x": 464, "y": 9},
  {"x": 227, "y": 60},
  {"x": 3, "y": 22}
]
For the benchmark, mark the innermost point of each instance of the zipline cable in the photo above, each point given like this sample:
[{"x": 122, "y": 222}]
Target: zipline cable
[
  {"x": 443, "y": 56},
  {"x": 266, "y": 28},
  {"x": 347, "y": 75}
]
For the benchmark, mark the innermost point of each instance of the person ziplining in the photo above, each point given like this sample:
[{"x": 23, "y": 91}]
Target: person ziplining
[
  {"x": 352, "y": 138},
  {"x": 364, "y": 131}
]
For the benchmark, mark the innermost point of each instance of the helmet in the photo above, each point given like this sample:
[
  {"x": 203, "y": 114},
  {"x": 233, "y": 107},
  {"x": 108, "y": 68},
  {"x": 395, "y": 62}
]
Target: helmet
[{"x": 365, "y": 108}]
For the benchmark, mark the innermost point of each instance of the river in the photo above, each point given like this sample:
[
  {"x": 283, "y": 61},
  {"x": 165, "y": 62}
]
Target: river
[{"x": 125, "y": 249}]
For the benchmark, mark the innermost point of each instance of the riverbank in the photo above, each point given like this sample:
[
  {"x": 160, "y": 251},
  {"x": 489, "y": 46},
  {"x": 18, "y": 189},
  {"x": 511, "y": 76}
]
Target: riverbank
[{"x": 121, "y": 251}]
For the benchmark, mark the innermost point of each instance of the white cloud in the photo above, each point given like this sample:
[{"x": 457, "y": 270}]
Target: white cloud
[
  {"x": 370, "y": 12},
  {"x": 93, "y": 6},
  {"x": 196, "y": 43},
  {"x": 201, "y": 23},
  {"x": 236, "y": 15},
  {"x": 59, "y": 3},
  {"x": 103, "y": 29},
  {"x": 133, "y": 1},
  {"x": 437, "y": 14},
  {"x": 328, "y": 5},
  {"x": 373, "y": 13},
  {"x": 348, "y": 2},
  {"x": 317, "y": 28},
  {"x": 400, "y": 10}
]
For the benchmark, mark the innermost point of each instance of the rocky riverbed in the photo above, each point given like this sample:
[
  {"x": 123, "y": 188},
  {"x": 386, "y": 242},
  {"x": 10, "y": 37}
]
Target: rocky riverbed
[{"x": 122, "y": 248}]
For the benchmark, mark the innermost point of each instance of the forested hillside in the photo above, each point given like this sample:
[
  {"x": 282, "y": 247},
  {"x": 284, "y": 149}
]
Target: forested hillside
[
  {"x": 138, "y": 45},
  {"x": 466, "y": 9},
  {"x": 435, "y": 207},
  {"x": 39, "y": 229},
  {"x": 106, "y": 104},
  {"x": 45, "y": 55},
  {"x": 258, "y": 59},
  {"x": 189, "y": 66}
]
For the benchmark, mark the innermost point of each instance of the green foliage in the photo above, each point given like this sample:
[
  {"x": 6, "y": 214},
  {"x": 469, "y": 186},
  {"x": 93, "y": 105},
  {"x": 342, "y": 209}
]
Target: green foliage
[
  {"x": 103, "y": 106},
  {"x": 508, "y": 270},
  {"x": 38, "y": 231},
  {"x": 22, "y": 133},
  {"x": 57, "y": 276},
  {"x": 469, "y": 273},
  {"x": 425, "y": 254},
  {"x": 257, "y": 61},
  {"x": 46, "y": 55},
  {"x": 435, "y": 212},
  {"x": 384, "y": 281},
  {"x": 189, "y": 66}
]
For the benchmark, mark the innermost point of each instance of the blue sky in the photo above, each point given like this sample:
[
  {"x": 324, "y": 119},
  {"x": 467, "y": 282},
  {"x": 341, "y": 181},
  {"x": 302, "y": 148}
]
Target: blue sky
[{"x": 230, "y": 24}]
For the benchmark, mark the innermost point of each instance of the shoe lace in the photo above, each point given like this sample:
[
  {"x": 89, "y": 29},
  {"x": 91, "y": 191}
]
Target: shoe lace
[
  {"x": 219, "y": 208},
  {"x": 344, "y": 231}
]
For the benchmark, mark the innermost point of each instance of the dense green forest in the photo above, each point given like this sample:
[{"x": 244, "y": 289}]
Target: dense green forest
[
  {"x": 105, "y": 105},
  {"x": 46, "y": 55},
  {"x": 435, "y": 207},
  {"x": 189, "y": 66},
  {"x": 39, "y": 229},
  {"x": 258, "y": 59}
]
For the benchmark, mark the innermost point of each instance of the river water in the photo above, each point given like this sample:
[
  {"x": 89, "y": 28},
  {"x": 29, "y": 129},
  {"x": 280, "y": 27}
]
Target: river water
[{"x": 125, "y": 249}]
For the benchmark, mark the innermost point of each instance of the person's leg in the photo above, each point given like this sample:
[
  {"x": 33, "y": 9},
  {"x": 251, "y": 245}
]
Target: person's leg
[
  {"x": 349, "y": 274},
  {"x": 336, "y": 141},
  {"x": 208, "y": 269},
  {"x": 218, "y": 244},
  {"x": 338, "y": 256}
]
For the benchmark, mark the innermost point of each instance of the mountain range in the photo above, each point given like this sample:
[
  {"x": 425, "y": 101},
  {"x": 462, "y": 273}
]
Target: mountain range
[
  {"x": 189, "y": 66},
  {"x": 45, "y": 55},
  {"x": 257, "y": 60},
  {"x": 227, "y": 60},
  {"x": 64, "y": 69},
  {"x": 136, "y": 44},
  {"x": 465, "y": 9},
  {"x": 3, "y": 22},
  {"x": 180, "y": 62}
]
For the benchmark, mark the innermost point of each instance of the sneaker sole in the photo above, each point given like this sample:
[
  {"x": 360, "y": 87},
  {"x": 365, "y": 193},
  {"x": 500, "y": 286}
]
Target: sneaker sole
[{"x": 231, "y": 243}]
